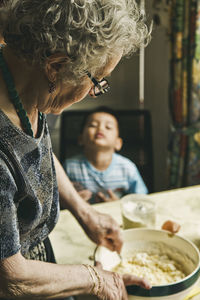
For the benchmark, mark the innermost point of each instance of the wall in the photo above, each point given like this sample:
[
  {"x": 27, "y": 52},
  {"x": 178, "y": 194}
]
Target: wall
[{"x": 124, "y": 94}]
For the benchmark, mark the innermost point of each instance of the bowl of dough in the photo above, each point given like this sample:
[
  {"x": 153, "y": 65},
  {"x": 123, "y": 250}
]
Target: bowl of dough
[{"x": 170, "y": 262}]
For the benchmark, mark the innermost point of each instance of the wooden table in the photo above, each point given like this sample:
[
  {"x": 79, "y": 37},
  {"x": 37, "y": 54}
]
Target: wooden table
[{"x": 71, "y": 245}]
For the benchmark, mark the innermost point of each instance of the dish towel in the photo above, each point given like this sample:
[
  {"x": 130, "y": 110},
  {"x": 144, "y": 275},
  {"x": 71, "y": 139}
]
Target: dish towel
[{"x": 193, "y": 293}]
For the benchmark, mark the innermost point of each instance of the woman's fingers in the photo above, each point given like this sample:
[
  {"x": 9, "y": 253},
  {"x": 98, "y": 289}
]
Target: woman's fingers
[
  {"x": 134, "y": 280},
  {"x": 98, "y": 265},
  {"x": 114, "y": 284},
  {"x": 111, "y": 234},
  {"x": 103, "y": 230},
  {"x": 113, "y": 287},
  {"x": 112, "y": 244}
]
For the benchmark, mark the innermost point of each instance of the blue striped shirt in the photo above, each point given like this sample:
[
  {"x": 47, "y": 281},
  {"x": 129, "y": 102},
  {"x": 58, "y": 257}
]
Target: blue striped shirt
[{"x": 122, "y": 176}]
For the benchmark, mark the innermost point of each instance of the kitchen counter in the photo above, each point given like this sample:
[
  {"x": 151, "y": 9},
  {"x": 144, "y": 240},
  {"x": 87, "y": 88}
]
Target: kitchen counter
[{"x": 71, "y": 245}]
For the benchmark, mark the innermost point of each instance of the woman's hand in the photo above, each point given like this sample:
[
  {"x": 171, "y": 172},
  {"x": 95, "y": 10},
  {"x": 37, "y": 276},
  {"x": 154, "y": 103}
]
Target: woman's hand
[
  {"x": 100, "y": 228},
  {"x": 113, "y": 284},
  {"x": 103, "y": 230}
]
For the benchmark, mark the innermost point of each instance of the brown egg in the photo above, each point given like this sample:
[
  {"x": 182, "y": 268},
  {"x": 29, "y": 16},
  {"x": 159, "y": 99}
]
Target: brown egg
[{"x": 171, "y": 226}]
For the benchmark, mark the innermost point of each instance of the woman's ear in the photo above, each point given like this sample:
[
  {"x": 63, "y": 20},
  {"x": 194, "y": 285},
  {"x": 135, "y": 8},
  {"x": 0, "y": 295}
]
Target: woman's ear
[
  {"x": 118, "y": 144},
  {"x": 54, "y": 64}
]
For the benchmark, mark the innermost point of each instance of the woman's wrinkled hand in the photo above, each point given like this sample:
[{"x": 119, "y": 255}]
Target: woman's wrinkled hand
[
  {"x": 114, "y": 285},
  {"x": 103, "y": 230}
]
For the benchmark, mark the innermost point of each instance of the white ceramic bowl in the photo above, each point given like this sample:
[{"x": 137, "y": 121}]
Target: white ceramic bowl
[{"x": 177, "y": 247}]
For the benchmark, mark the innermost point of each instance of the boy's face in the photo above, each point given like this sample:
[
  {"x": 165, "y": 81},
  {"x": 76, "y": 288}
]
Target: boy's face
[{"x": 101, "y": 131}]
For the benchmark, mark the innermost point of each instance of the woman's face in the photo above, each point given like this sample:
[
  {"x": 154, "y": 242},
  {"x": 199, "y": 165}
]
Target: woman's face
[{"x": 68, "y": 94}]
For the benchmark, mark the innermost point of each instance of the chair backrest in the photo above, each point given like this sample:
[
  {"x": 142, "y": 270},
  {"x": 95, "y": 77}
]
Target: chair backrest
[{"x": 135, "y": 129}]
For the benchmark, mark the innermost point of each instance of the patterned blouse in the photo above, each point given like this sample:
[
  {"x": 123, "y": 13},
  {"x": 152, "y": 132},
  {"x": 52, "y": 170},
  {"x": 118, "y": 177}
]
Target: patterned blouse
[{"x": 26, "y": 218}]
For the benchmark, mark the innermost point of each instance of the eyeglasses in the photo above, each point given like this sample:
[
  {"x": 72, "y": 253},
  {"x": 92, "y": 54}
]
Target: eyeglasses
[{"x": 100, "y": 87}]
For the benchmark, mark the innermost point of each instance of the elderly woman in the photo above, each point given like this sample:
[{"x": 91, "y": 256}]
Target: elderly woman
[{"x": 56, "y": 53}]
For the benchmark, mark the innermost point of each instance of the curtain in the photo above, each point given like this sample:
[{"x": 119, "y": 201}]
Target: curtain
[{"x": 184, "y": 148}]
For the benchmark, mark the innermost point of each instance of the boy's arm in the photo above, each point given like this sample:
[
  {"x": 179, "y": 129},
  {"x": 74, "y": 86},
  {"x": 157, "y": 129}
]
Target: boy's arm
[{"x": 100, "y": 228}]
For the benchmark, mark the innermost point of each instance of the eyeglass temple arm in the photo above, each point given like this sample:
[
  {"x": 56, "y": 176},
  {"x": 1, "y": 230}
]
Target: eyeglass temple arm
[{"x": 96, "y": 83}]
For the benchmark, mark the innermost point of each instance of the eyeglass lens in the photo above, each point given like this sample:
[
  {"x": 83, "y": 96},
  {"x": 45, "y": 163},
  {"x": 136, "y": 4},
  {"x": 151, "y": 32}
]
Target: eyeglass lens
[{"x": 101, "y": 88}]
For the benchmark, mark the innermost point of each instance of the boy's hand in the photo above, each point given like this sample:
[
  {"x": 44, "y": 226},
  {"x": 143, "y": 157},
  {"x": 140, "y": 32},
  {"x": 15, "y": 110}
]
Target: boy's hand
[
  {"x": 111, "y": 196},
  {"x": 85, "y": 194}
]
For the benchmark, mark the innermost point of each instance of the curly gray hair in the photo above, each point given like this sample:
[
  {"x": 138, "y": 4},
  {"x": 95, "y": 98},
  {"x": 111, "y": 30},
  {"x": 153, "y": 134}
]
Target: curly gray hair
[{"x": 89, "y": 32}]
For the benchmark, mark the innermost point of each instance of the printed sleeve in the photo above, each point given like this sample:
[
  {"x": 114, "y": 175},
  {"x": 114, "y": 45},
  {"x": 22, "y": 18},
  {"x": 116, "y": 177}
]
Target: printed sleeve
[
  {"x": 136, "y": 183},
  {"x": 9, "y": 233}
]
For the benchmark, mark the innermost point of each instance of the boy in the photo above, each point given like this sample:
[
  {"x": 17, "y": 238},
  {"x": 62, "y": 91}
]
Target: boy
[{"x": 99, "y": 173}]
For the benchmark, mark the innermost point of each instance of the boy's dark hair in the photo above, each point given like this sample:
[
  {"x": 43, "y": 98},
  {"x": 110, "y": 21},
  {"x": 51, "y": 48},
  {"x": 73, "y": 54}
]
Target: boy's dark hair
[{"x": 103, "y": 109}]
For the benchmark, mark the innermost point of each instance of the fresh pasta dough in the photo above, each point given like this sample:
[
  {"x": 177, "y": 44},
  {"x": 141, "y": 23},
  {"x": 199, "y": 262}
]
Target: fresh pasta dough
[{"x": 158, "y": 269}]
